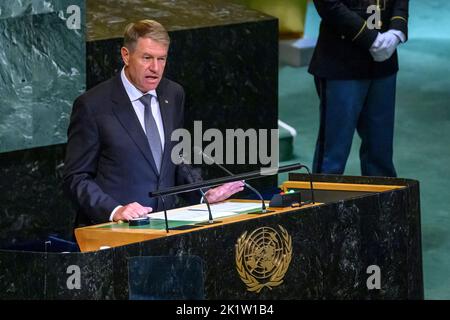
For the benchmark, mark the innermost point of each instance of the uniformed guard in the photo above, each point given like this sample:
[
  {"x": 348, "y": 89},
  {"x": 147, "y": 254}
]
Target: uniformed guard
[{"x": 355, "y": 66}]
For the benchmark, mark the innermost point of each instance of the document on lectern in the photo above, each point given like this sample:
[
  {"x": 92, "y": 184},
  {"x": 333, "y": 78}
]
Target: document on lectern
[{"x": 199, "y": 212}]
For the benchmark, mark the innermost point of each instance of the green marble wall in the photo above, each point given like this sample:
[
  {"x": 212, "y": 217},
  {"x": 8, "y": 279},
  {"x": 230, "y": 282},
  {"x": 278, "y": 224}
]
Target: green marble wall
[{"x": 42, "y": 70}]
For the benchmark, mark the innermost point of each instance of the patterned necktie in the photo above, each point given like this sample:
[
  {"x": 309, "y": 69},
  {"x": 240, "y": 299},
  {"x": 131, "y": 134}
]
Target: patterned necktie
[{"x": 151, "y": 130}]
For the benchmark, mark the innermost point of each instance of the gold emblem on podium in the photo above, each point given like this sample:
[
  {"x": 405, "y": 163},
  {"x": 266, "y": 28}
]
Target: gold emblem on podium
[{"x": 263, "y": 257}]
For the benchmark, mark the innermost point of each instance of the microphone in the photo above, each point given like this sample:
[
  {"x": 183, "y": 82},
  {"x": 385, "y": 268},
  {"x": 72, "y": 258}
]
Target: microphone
[
  {"x": 199, "y": 151},
  {"x": 188, "y": 169}
]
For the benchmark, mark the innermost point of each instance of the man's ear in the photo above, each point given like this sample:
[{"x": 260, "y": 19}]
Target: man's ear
[{"x": 125, "y": 55}]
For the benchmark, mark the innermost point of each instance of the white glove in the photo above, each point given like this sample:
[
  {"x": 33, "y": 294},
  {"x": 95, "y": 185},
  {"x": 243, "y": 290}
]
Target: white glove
[{"x": 384, "y": 46}]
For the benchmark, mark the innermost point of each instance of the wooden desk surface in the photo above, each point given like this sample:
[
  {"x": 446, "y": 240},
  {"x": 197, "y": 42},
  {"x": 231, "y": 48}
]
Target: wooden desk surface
[{"x": 92, "y": 238}]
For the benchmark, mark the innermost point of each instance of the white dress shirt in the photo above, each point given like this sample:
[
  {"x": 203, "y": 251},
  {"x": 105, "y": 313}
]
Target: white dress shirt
[{"x": 135, "y": 94}]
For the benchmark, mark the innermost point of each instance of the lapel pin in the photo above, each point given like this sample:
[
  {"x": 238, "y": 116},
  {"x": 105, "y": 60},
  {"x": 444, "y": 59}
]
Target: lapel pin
[{"x": 166, "y": 101}]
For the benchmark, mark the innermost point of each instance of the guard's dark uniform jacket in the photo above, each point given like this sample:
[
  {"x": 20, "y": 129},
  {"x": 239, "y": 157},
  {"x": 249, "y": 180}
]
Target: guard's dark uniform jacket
[{"x": 342, "y": 51}]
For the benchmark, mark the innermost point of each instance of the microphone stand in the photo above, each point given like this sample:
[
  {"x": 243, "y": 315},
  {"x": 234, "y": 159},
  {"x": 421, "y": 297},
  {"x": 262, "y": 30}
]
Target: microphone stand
[
  {"x": 310, "y": 184},
  {"x": 200, "y": 151},
  {"x": 165, "y": 213},
  {"x": 210, "y": 216}
]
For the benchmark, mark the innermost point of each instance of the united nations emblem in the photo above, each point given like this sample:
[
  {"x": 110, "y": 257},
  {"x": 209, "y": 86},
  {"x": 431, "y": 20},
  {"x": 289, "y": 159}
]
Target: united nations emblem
[{"x": 263, "y": 257}]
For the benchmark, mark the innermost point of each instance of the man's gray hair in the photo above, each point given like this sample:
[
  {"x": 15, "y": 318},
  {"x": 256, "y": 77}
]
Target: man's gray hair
[{"x": 145, "y": 29}]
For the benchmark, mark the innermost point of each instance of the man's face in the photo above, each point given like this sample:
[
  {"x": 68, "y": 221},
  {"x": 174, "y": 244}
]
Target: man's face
[{"x": 145, "y": 63}]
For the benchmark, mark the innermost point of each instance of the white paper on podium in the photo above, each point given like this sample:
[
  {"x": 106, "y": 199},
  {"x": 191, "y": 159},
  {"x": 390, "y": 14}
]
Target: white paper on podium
[{"x": 199, "y": 212}]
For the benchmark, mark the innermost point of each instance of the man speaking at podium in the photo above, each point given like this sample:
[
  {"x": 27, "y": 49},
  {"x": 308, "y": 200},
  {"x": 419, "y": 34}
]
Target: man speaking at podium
[{"x": 119, "y": 144}]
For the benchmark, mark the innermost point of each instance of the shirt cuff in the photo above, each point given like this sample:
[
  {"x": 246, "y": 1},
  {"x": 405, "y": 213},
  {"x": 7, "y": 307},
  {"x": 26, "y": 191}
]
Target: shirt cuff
[
  {"x": 399, "y": 34},
  {"x": 114, "y": 211}
]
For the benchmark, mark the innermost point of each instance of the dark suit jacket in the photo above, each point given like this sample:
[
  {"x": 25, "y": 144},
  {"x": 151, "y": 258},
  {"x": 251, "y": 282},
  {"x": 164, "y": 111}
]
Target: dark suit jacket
[
  {"x": 108, "y": 158},
  {"x": 342, "y": 50}
]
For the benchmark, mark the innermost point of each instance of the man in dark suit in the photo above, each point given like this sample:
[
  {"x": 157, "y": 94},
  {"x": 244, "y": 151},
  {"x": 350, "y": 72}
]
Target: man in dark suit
[
  {"x": 119, "y": 146},
  {"x": 355, "y": 66}
]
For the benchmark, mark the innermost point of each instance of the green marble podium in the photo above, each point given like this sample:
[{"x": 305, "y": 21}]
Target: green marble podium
[{"x": 322, "y": 251}]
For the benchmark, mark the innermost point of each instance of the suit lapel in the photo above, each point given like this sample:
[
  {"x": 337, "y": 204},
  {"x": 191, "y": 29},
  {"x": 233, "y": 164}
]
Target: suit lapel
[
  {"x": 165, "y": 106},
  {"x": 123, "y": 109}
]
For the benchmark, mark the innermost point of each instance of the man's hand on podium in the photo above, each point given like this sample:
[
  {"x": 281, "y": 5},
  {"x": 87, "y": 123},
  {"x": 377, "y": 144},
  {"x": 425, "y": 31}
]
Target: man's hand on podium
[
  {"x": 131, "y": 211},
  {"x": 224, "y": 191}
]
